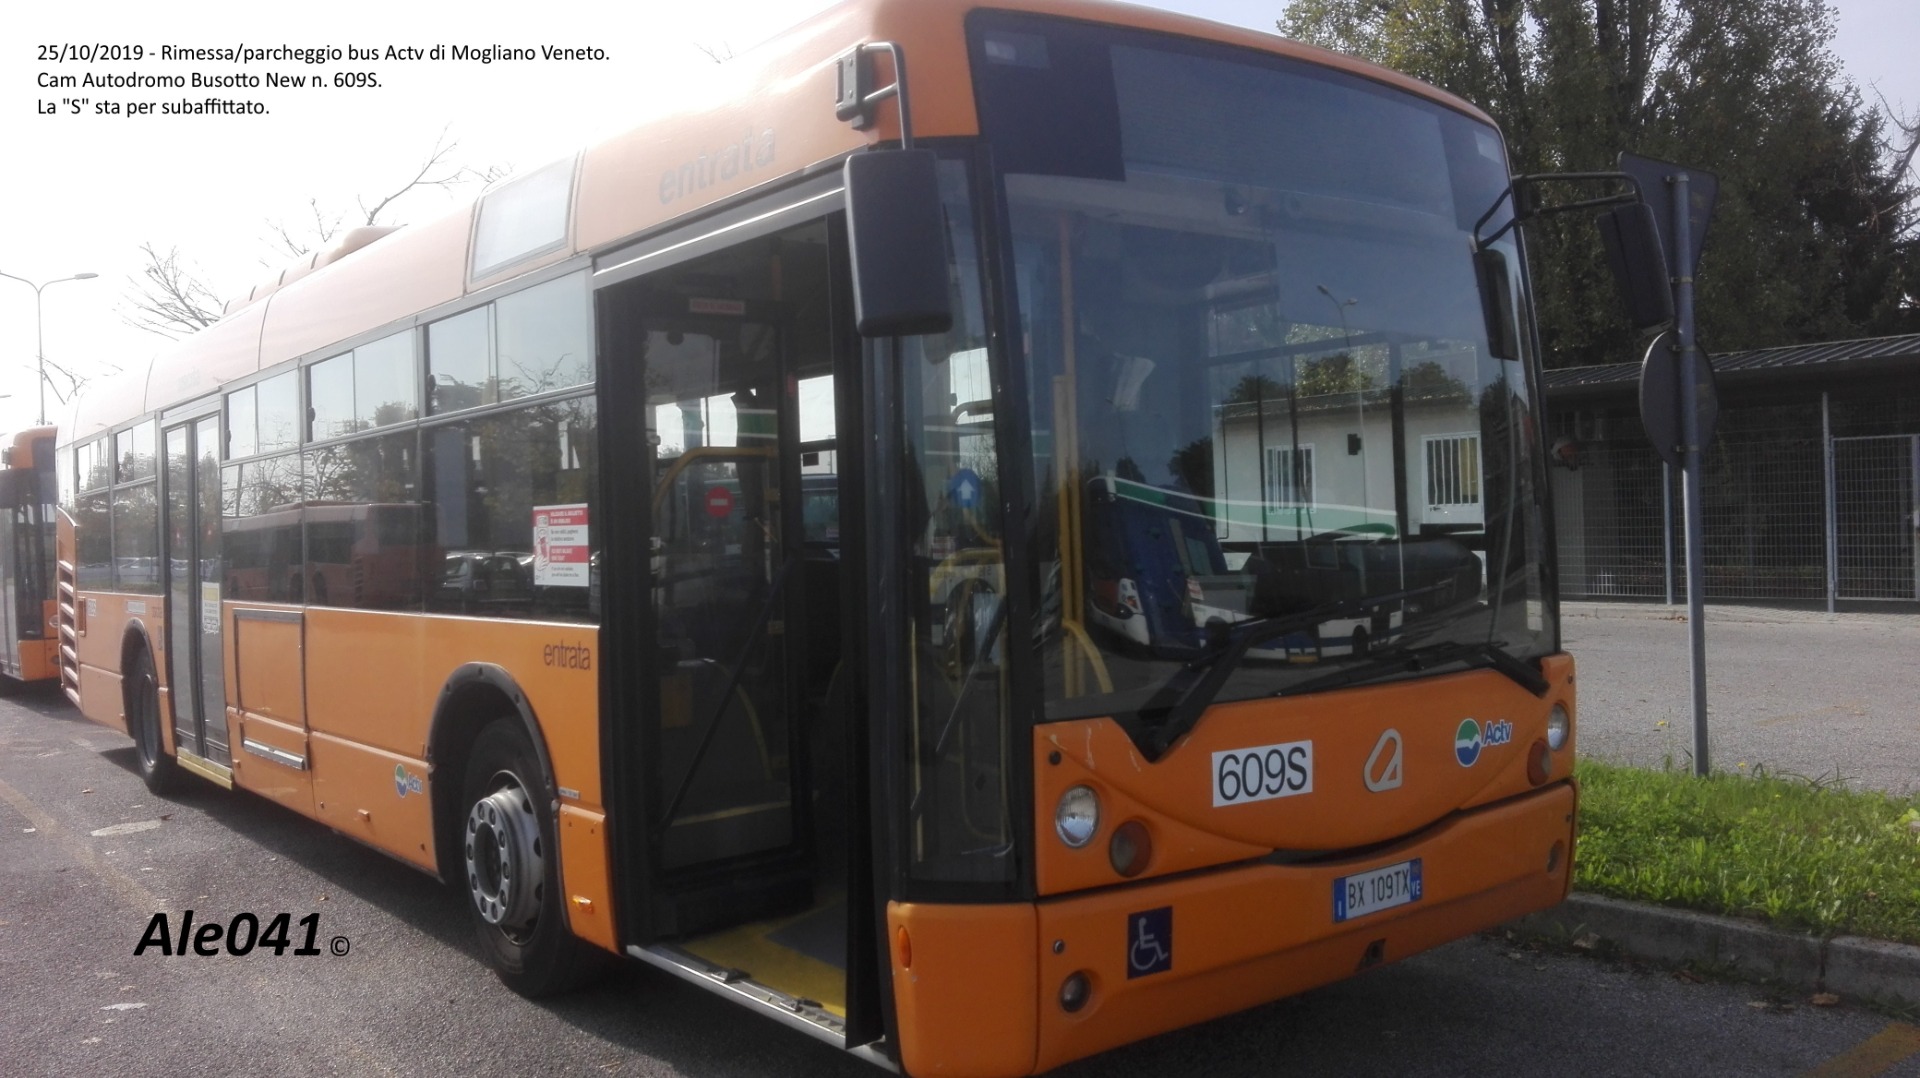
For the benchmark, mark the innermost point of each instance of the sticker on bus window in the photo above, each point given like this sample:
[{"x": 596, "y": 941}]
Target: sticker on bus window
[
  {"x": 561, "y": 557},
  {"x": 209, "y": 607}
]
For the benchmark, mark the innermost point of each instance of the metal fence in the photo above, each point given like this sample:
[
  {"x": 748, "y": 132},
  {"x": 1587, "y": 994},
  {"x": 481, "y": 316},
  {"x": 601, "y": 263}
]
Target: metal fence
[
  {"x": 1806, "y": 496},
  {"x": 1876, "y": 516}
]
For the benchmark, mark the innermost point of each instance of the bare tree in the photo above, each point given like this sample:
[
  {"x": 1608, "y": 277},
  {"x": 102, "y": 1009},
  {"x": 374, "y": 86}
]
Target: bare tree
[
  {"x": 74, "y": 380},
  {"x": 168, "y": 298},
  {"x": 172, "y": 300}
]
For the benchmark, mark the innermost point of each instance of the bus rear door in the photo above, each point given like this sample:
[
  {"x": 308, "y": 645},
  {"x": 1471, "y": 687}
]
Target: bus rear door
[{"x": 195, "y": 672}]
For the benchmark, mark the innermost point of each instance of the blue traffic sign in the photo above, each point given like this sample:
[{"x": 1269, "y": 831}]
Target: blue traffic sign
[{"x": 964, "y": 488}]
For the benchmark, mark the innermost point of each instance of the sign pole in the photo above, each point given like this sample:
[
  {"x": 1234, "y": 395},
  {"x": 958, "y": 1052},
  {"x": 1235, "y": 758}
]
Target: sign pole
[{"x": 1693, "y": 454}]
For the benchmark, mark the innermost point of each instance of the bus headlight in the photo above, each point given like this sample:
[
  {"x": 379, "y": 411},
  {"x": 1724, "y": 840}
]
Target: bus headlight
[
  {"x": 1559, "y": 723},
  {"x": 1078, "y": 816}
]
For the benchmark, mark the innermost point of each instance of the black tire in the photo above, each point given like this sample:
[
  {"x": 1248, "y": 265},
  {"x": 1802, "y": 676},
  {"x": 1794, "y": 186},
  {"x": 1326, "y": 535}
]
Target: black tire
[
  {"x": 510, "y": 865},
  {"x": 158, "y": 770}
]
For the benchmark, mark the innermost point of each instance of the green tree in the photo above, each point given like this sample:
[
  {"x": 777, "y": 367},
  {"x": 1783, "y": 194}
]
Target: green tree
[{"x": 1814, "y": 237}]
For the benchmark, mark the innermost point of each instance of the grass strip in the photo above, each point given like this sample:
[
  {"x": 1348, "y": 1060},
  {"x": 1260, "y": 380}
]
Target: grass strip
[{"x": 1793, "y": 852}]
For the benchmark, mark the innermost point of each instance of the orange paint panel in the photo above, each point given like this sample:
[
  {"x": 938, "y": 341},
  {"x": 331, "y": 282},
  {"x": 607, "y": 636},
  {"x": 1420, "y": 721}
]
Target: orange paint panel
[
  {"x": 1247, "y": 935},
  {"x": 264, "y": 775},
  {"x": 774, "y": 117},
  {"x": 364, "y": 682},
  {"x": 375, "y": 677},
  {"x": 966, "y": 1002},
  {"x": 100, "y": 697},
  {"x": 380, "y": 798},
  {"x": 1347, "y": 730},
  {"x": 1177, "y": 846},
  {"x": 267, "y": 677},
  {"x": 585, "y": 877},
  {"x": 39, "y": 659}
]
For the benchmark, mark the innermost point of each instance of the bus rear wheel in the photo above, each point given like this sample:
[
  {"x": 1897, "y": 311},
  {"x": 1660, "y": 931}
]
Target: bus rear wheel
[
  {"x": 158, "y": 770},
  {"x": 511, "y": 866}
]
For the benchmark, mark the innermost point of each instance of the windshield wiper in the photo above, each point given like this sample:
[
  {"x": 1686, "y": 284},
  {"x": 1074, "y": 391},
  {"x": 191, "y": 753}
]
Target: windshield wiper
[
  {"x": 1491, "y": 654},
  {"x": 1173, "y": 708}
]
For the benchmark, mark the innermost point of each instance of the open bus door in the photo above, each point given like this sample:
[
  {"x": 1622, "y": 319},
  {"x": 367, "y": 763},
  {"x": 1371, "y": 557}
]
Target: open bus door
[{"x": 736, "y": 768}]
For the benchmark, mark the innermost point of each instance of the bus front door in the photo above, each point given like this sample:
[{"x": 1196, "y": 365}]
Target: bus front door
[
  {"x": 195, "y": 672},
  {"x": 737, "y": 728}
]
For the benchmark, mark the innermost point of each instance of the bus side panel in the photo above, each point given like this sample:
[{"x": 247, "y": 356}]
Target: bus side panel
[
  {"x": 39, "y": 659},
  {"x": 373, "y": 683},
  {"x": 584, "y": 876},
  {"x": 965, "y": 987},
  {"x": 375, "y": 678},
  {"x": 107, "y": 618},
  {"x": 554, "y": 664},
  {"x": 266, "y": 706},
  {"x": 364, "y": 679},
  {"x": 377, "y": 797}
]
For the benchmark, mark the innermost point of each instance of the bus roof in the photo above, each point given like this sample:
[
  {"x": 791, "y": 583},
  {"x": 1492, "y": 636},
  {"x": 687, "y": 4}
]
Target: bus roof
[{"x": 763, "y": 117}]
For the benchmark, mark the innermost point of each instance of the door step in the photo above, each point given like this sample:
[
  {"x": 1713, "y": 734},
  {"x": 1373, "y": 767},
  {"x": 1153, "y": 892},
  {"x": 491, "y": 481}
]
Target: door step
[{"x": 805, "y": 1015}]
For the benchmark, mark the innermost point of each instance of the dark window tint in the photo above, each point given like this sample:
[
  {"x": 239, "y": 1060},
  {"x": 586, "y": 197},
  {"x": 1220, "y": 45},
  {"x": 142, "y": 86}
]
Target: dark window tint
[
  {"x": 544, "y": 337},
  {"x": 136, "y": 539},
  {"x": 279, "y": 412},
  {"x": 362, "y": 521},
  {"x": 385, "y": 390},
  {"x": 67, "y": 478},
  {"x": 330, "y": 397},
  {"x": 260, "y": 526},
  {"x": 133, "y": 454},
  {"x": 510, "y": 510},
  {"x": 96, "y": 465},
  {"x": 457, "y": 363},
  {"x": 93, "y": 532},
  {"x": 242, "y": 423}
]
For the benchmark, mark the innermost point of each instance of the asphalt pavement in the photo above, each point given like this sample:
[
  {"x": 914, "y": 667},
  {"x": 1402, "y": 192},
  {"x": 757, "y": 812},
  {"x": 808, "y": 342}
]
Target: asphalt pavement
[
  {"x": 87, "y": 858},
  {"x": 1827, "y": 697}
]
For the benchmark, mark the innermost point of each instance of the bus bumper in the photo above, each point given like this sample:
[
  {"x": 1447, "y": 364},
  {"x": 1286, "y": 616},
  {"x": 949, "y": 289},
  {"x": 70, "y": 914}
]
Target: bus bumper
[{"x": 979, "y": 989}]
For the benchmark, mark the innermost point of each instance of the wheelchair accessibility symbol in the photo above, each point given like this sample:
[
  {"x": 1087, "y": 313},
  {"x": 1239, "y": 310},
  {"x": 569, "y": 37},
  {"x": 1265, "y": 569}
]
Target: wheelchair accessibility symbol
[{"x": 1149, "y": 942}]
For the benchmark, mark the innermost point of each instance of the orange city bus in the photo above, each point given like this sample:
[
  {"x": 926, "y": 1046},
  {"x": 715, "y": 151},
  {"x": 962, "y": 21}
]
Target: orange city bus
[
  {"x": 988, "y": 534},
  {"x": 29, "y": 643}
]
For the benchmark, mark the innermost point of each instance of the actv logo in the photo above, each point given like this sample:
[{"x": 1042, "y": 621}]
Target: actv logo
[{"x": 1470, "y": 738}]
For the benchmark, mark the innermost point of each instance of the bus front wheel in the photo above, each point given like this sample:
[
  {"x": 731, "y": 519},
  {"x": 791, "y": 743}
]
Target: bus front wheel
[
  {"x": 512, "y": 868},
  {"x": 158, "y": 770}
]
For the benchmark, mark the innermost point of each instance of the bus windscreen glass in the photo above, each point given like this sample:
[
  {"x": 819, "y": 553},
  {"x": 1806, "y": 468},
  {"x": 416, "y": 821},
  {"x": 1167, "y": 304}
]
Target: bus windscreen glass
[{"x": 1261, "y": 387}]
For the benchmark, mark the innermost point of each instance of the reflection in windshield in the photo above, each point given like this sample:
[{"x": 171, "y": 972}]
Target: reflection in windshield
[{"x": 1261, "y": 384}]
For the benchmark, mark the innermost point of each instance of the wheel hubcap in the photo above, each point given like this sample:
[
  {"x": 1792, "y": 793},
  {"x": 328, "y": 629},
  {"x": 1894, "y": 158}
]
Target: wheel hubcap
[{"x": 506, "y": 868}]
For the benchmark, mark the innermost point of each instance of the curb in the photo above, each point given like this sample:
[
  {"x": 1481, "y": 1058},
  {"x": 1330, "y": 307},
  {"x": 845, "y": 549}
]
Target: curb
[{"x": 1851, "y": 966}]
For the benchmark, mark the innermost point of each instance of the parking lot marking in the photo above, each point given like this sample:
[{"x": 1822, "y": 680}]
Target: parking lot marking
[
  {"x": 125, "y": 886},
  {"x": 1875, "y": 1055}
]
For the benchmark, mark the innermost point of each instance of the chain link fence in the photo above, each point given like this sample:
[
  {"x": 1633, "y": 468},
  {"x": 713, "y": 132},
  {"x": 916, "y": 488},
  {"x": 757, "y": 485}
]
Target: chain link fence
[{"x": 1778, "y": 526}]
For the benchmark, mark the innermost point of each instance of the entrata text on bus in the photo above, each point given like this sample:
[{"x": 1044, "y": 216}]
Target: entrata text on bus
[{"x": 989, "y": 534}]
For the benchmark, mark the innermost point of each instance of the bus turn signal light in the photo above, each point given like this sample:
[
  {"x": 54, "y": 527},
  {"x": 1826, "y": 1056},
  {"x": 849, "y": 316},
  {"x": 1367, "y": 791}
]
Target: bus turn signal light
[
  {"x": 1130, "y": 849},
  {"x": 1537, "y": 762}
]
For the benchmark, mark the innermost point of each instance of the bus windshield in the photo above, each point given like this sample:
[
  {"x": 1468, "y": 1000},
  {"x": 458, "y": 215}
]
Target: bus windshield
[{"x": 1261, "y": 386}]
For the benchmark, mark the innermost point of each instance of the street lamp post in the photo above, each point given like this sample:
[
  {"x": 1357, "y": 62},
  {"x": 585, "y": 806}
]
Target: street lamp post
[{"x": 39, "y": 334}]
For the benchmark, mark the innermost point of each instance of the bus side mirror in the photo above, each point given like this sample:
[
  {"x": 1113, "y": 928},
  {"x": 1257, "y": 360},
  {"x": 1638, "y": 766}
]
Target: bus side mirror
[
  {"x": 897, "y": 233},
  {"x": 1639, "y": 266},
  {"x": 1496, "y": 303}
]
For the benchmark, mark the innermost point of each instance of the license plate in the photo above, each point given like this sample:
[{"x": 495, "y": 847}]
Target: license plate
[{"x": 1381, "y": 889}]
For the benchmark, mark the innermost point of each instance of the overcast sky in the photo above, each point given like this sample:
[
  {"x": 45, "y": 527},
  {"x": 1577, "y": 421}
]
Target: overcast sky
[{"x": 83, "y": 192}]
